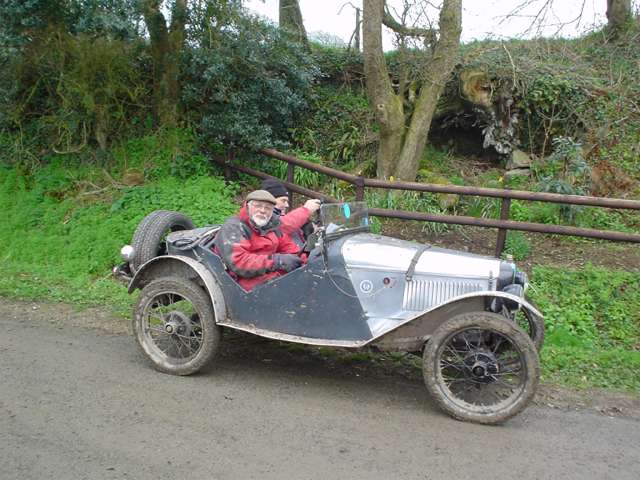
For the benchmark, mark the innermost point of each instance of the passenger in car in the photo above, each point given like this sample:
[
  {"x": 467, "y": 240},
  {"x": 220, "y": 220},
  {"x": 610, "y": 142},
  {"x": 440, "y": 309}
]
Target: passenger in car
[
  {"x": 279, "y": 191},
  {"x": 291, "y": 222},
  {"x": 252, "y": 244}
]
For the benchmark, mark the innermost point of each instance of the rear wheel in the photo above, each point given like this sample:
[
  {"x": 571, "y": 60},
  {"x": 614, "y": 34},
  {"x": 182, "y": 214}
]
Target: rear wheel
[
  {"x": 149, "y": 238},
  {"x": 479, "y": 367},
  {"x": 173, "y": 322}
]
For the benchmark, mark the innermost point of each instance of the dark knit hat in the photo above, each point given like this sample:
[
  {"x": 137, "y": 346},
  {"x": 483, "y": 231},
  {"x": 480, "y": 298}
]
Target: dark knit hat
[{"x": 274, "y": 187}]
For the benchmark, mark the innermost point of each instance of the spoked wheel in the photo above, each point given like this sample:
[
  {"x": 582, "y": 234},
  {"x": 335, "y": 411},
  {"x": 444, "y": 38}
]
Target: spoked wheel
[
  {"x": 174, "y": 325},
  {"x": 479, "y": 367}
]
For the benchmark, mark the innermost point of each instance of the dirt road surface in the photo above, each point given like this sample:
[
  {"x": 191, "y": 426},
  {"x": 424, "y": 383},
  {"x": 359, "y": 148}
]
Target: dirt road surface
[{"x": 80, "y": 402}]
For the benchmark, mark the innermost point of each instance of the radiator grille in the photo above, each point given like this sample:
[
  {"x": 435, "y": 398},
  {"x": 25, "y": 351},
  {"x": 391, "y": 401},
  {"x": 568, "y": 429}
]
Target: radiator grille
[{"x": 420, "y": 295}]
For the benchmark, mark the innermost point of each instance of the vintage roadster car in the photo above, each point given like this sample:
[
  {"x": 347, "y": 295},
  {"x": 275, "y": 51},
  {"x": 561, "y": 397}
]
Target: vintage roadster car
[{"x": 466, "y": 314}]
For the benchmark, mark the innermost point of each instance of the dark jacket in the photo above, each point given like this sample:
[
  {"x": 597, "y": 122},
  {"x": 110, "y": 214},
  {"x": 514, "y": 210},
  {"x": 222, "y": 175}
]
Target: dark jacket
[{"x": 247, "y": 250}]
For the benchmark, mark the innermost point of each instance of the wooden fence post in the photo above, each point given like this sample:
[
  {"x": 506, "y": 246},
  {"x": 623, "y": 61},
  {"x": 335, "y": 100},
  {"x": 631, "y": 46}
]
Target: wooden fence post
[
  {"x": 290, "y": 178},
  {"x": 502, "y": 232},
  {"x": 231, "y": 155},
  {"x": 359, "y": 189}
]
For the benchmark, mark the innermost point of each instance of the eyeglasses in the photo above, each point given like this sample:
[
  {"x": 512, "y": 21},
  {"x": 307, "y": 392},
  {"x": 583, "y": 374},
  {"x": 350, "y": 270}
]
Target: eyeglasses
[{"x": 262, "y": 206}]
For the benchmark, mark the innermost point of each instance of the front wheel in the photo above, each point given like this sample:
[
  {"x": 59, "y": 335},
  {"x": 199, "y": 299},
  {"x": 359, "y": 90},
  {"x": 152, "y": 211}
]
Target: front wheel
[
  {"x": 174, "y": 324},
  {"x": 480, "y": 367},
  {"x": 532, "y": 325}
]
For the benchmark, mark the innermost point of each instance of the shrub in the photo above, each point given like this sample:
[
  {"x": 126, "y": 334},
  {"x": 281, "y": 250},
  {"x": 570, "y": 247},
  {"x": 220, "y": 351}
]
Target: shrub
[
  {"x": 549, "y": 107},
  {"x": 338, "y": 129},
  {"x": 338, "y": 65},
  {"x": 247, "y": 88},
  {"x": 71, "y": 73},
  {"x": 167, "y": 152},
  {"x": 583, "y": 88},
  {"x": 70, "y": 91}
]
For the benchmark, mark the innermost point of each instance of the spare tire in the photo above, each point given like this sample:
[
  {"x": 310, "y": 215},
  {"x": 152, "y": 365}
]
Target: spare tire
[{"x": 149, "y": 238}]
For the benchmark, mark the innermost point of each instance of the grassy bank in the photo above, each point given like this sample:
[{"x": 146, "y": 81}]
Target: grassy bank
[
  {"x": 592, "y": 318},
  {"x": 65, "y": 223}
]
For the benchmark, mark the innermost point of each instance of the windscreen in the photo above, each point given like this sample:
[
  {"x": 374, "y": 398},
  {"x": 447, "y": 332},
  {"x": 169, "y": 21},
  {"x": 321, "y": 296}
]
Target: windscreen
[{"x": 338, "y": 217}]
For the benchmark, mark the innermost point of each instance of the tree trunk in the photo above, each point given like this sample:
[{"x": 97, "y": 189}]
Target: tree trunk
[
  {"x": 166, "y": 47},
  {"x": 402, "y": 140},
  {"x": 387, "y": 105},
  {"x": 618, "y": 14},
  {"x": 434, "y": 77},
  {"x": 290, "y": 19}
]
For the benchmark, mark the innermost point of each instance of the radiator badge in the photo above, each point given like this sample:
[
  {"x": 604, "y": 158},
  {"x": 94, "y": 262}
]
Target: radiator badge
[{"x": 366, "y": 286}]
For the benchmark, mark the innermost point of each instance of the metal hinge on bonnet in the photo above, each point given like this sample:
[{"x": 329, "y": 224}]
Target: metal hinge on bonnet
[{"x": 414, "y": 262}]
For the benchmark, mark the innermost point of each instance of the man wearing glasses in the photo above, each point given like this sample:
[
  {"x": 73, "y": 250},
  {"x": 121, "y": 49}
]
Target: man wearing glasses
[{"x": 252, "y": 245}]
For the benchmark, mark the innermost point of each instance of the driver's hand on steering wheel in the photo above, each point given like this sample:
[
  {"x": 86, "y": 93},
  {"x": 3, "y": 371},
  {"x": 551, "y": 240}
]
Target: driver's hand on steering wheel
[{"x": 312, "y": 205}]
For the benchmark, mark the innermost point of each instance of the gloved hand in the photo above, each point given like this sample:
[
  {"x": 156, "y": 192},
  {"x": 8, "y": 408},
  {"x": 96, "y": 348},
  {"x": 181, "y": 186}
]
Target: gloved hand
[
  {"x": 312, "y": 205},
  {"x": 286, "y": 261}
]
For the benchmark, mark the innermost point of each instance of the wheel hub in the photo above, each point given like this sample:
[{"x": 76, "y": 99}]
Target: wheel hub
[
  {"x": 481, "y": 366},
  {"x": 177, "y": 323}
]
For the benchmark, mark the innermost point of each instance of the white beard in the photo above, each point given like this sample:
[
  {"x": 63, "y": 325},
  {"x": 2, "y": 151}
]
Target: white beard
[{"x": 260, "y": 222}]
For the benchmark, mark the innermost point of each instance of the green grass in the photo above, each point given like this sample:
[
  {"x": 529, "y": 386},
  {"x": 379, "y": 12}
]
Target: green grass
[
  {"x": 592, "y": 318},
  {"x": 60, "y": 243},
  {"x": 302, "y": 176},
  {"x": 412, "y": 202},
  {"x": 517, "y": 245}
]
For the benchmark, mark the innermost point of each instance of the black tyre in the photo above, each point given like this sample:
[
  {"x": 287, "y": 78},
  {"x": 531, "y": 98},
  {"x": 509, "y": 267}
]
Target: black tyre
[
  {"x": 532, "y": 326},
  {"x": 149, "y": 238},
  {"x": 174, "y": 324},
  {"x": 479, "y": 367}
]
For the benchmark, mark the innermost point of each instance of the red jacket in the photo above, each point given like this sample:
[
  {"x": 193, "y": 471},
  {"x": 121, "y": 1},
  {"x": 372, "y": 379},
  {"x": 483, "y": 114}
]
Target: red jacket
[
  {"x": 292, "y": 224},
  {"x": 247, "y": 250}
]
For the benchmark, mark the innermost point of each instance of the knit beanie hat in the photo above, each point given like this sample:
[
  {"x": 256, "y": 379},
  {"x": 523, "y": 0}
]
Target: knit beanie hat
[{"x": 274, "y": 187}]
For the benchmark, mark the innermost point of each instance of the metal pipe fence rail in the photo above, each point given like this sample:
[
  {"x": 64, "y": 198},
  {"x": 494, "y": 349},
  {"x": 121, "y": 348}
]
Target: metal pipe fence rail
[{"x": 503, "y": 224}]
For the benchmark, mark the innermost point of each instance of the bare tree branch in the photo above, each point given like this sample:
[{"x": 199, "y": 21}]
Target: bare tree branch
[
  {"x": 390, "y": 22},
  {"x": 540, "y": 18}
]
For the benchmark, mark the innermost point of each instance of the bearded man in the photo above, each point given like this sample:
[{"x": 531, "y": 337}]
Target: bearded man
[{"x": 252, "y": 245}]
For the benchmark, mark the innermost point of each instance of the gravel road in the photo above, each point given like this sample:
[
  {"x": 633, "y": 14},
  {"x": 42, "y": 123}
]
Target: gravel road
[{"x": 80, "y": 402}]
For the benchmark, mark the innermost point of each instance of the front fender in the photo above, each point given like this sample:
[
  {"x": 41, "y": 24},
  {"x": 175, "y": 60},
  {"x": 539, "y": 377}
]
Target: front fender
[
  {"x": 185, "y": 267},
  {"x": 411, "y": 334},
  {"x": 520, "y": 300}
]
